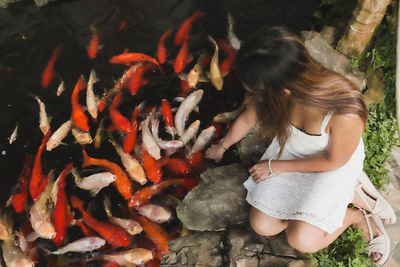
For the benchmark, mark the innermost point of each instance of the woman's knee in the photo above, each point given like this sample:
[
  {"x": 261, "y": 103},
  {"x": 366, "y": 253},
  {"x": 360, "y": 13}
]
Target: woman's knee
[
  {"x": 265, "y": 225},
  {"x": 304, "y": 239}
]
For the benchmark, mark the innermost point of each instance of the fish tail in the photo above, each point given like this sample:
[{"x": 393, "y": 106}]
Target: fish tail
[{"x": 190, "y": 183}]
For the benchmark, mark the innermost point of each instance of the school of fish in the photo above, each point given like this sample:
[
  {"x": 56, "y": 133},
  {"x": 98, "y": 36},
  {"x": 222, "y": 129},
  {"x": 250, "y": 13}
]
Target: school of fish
[{"x": 156, "y": 147}]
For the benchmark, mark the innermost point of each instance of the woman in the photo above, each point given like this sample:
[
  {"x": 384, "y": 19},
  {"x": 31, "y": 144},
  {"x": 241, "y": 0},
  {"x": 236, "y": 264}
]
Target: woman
[{"x": 308, "y": 175}]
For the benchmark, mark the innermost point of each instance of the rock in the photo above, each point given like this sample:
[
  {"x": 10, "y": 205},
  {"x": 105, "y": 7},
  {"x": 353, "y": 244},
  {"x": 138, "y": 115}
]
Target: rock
[
  {"x": 322, "y": 52},
  {"x": 5, "y": 3},
  {"x": 42, "y": 2},
  {"x": 198, "y": 249},
  {"x": 218, "y": 201},
  {"x": 252, "y": 146},
  {"x": 375, "y": 88},
  {"x": 329, "y": 33},
  {"x": 248, "y": 249}
]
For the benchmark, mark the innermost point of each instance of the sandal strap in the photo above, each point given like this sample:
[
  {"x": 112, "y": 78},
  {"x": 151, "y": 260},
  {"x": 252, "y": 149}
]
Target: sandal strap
[
  {"x": 367, "y": 216},
  {"x": 377, "y": 245}
]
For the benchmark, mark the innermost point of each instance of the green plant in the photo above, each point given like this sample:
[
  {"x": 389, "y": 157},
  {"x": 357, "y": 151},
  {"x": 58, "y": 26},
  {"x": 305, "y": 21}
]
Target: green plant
[{"x": 348, "y": 250}]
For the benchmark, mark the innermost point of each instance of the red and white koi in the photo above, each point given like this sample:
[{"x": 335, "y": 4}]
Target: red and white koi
[
  {"x": 44, "y": 121},
  {"x": 57, "y": 137},
  {"x": 167, "y": 145},
  {"x": 91, "y": 99},
  {"x": 81, "y": 137},
  {"x": 204, "y": 138},
  {"x": 187, "y": 105},
  {"x": 154, "y": 213}
]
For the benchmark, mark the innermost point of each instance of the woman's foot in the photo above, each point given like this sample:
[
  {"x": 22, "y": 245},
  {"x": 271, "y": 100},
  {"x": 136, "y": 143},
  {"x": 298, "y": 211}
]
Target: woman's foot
[{"x": 378, "y": 247}]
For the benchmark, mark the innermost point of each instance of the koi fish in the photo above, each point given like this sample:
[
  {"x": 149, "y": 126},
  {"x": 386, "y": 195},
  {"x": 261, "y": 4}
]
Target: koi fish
[
  {"x": 95, "y": 182},
  {"x": 215, "y": 73},
  {"x": 233, "y": 40},
  {"x": 81, "y": 137},
  {"x": 154, "y": 213},
  {"x": 57, "y": 137},
  {"x": 142, "y": 196},
  {"x": 62, "y": 216},
  {"x": 226, "y": 117},
  {"x": 44, "y": 121},
  {"x": 191, "y": 132},
  {"x": 91, "y": 100},
  {"x": 185, "y": 88},
  {"x": 151, "y": 167},
  {"x": 154, "y": 231},
  {"x": 60, "y": 88},
  {"x": 98, "y": 138},
  {"x": 6, "y": 226},
  {"x": 194, "y": 159},
  {"x": 132, "y": 257},
  {"x": 40, "y": 215},
  {"x": 137, "y": 80},
  {"x": 161, "y": 52},
  {"x": 81, "y": 245},
  {"x": 38, "y": 181},
  {"x": 183, "y": 57},
  {"x": 194, "y": 75},
  {"x": 132, "y": 166},
  {"x": 78, "y": 115},
  {"x": 127, "y": 58},
  {"x": 132, "y": 227},
  {"x": 203, "y": 139},
  {"x": 178, "y": 166},
  {"x": 185, "y": 27},
  {"x": 102, "y": 103},
  {"x": 114, "y": 235},
  {"x": 226, "y": 65},
  {"x": 122, "y": 25},
  {"x": 130, "y": 138},
  {"x": 187, "y": 105},
  {"x": 13, "y": 256},
  {"x": 20, "y": 194},
  {"x": 149, "y": 143},
  {"x": 120, "y": 122},
  {"x": 86, "y": 231},
  {"x": 94, "y": 45},
  {"x": 167, "y": 114},
  {"x": 48, "y": 74},
  {"x": 128, "y": 74},
  {"x": 167, "y": 145},
  {"x": 122, "y": 181},
  {"x": 13, "y": 135}
]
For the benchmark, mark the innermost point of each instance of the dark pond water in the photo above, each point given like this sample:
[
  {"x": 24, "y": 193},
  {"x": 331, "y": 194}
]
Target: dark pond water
[{"x": 29, "y": 34}]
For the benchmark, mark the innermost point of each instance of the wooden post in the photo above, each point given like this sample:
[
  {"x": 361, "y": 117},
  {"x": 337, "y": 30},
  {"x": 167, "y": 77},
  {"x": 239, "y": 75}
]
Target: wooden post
[{"x": 367, "y": 15}]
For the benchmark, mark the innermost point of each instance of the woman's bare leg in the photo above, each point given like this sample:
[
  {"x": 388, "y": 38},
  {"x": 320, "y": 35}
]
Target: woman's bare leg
[
  {"x": 309, "y": 239},
  {"x": 266, "y": 225}
]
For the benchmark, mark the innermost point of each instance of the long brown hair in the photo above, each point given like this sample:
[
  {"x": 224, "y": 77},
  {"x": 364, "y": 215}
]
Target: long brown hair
[{"x": 275, "y": 59}]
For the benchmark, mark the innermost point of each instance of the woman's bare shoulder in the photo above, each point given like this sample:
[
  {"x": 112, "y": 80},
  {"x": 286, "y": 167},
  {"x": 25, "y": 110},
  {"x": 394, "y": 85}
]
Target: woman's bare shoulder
[{"x": 345, "y": 121}]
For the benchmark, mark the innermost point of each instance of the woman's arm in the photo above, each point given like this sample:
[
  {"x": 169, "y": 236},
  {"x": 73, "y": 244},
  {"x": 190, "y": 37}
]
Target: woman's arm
[
  {"x": 345, "y": 134},
  {"x": 239, "y": 129}
]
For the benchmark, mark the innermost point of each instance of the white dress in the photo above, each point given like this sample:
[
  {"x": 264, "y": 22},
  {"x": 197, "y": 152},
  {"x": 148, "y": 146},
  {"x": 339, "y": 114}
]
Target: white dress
[{"x": 318, "y": 198}]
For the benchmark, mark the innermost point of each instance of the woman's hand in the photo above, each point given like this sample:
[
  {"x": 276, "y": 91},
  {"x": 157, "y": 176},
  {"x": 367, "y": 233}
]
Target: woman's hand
[
  {"x": 215, "y": 152},
  {"x": 260, "y": 171}
]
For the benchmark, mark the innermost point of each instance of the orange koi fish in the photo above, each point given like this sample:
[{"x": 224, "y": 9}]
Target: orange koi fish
[
  {"x": 48, "y": 74},
  {"x": 152, "y": 167},
  {"x": 186, "y": 26},
  {"x": 137, "y": 80},
  {"x": 122, "y": 181},
  {"x": 167, "y": 113},
  {"x": 114, "y": 235},
  {"x": 111, "y": 264},
  {"x": 154, "y": 231},
  {"x": 143, "y": 195},
  {"x": 94, "y": 45},
  {"x": 128, "y": 58},
  {"x": 161, "y": 52},
  {"x": 185, "y": 88},
  {"x": 38, "y": 181},
  {"x": 178, "y": 166},
  {"x": 183, "y": 58},
  {"x": 102, "y": 103},
  {"x": 194, "y": 159},
  {"x": 86, "y": 231},
  {"x": 120, "y": 122},
  {"x": 130, "y": 138},
  {"x": 20, "y": 194},
  {"x": 61, "y": 217},
  {"x": 230, "y": 53},
  {"x": 78, "y": 115},
  {"x": 127, "y": 76},
  {"x": 122, "y": 25}
]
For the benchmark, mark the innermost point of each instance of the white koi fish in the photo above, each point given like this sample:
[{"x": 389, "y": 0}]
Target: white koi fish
[
  {"x": 187, "y": 105},
  {"x": 226, "y": 117},
  {"x": 57, "y": 137},
  {"x": 95, "y": 182},
  {"x": 91, "y": 100},
  {"x": 203, "y": 139},
  {"x": 81, "y": 137},
  {"x": 132, "y": 227},
  {"x": 132, "y": 257},
  {"x": 5, "y": 226},
  {"x": 215, "y": 73},
  {"x": 232, "y": 38},
  {"x": 81, "y": 245},
  {"x": 154, "y": 212},
  {"x": 13, "y": 135},
  {"x": 44, "y": 121},
  {"x": 13, "y": 256},
  {"x": 60, "y": 88},
  {"x": 148, "y": 141},
  {"x": 191, "y": 132},
  {"x": 172, "y": 144},
  {"x": 131, "y": 165}
]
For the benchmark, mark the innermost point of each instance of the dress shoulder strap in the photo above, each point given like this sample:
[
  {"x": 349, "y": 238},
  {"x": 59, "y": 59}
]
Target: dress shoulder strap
[{"x": 325, "y": 121}]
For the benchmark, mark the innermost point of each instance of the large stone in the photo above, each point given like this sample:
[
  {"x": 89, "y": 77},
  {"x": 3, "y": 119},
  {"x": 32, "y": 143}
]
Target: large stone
[
  {"x": 252, "y": 146},
  {"x": 322, "y": 52},
  {"x": 195, "y": 250},
  {"x": 218, "y": 201},
  {"x": 376, "y": 88}
]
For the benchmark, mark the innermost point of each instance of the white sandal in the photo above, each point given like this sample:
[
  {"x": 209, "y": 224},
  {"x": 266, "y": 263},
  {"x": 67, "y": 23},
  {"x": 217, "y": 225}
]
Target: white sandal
[
  {"x": 382, "y": 208},
  {"x": 379, "y": 244}
]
